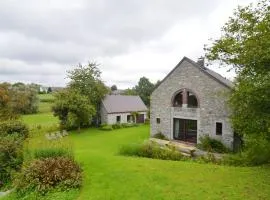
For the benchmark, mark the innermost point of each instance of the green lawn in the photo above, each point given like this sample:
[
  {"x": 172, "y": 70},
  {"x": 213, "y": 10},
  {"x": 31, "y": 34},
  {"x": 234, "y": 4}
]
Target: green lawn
[
  {"x": 46, "y": 96},
  {"x": 107, "y": 175}
]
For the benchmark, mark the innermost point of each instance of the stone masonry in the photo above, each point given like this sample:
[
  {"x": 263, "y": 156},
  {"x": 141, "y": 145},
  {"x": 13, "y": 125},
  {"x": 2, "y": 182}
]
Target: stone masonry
[{"x": 211, "y": 95}]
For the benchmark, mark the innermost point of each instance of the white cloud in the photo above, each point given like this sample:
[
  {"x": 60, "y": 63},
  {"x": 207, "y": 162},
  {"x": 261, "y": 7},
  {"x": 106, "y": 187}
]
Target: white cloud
[{"x": 40, "y": 40}]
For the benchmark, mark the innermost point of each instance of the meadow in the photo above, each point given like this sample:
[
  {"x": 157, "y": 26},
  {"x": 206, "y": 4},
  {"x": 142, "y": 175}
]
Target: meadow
[{"x": 108, "y": 175}]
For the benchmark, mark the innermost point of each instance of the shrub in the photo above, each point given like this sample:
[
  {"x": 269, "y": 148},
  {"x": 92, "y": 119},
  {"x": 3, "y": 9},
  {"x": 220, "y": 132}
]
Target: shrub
[
  {"x": 160, "y": 136},
  {"x": 117, "y": 126},
  {"x": 151, "y": 150},
  {"x": 255, "y": 152},
  {"x": 42, "y": 175},
  {"x": 11, "y": 156},
  {"x": 106, "y": 128},
  {"x": 128, "y": 125},
  {"x": 147, "y": 121},
  {"x": 11, "y": 127},
  {"x": 212, "y": 145},
  {"x": 52, "y": 152}
]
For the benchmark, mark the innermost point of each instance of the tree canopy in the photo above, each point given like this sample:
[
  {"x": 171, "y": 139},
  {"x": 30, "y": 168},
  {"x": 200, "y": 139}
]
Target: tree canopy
[
  {"x": 86, "y": 80},
  {"x": 245, "y": 46},
  {"x": 78, "y": 104},
  {"x": 113, "y": 87}
]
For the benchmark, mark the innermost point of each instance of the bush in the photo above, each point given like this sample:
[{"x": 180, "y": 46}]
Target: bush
[
  {"x": 160, "y": 136},
  {"x": 212, "y": 145},
  {"x": 128, "y": 125},
  {"x": 11, "y": 156},
  {"x": 11, "y": 127},
  {"x": 117, "y": 126},
  {"x": 255, "y": 152},
  {"x": 106, "y": 128},
  {"x": 147, "y": 121},
  {"x": 52, "y": 152},
  {"x": 151, "y": 150},
  {"x": 42, "y": 175}
]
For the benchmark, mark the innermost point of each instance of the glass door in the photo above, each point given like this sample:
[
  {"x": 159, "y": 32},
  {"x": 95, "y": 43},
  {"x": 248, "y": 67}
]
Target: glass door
[{"x": 185, "y": 129}]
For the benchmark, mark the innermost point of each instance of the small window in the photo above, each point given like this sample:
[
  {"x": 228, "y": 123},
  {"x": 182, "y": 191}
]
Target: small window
[
  {"x": 158, "y": 120},
  {"x": 128, "y": 118},
  {"x": 118, "y": 119},
  {"x": 218, "y": 128}
]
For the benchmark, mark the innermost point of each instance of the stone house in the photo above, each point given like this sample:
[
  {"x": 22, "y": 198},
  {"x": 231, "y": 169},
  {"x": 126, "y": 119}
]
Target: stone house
[
  {"x": 121, "y": 109},
  {"x": 191, "y": 102}
]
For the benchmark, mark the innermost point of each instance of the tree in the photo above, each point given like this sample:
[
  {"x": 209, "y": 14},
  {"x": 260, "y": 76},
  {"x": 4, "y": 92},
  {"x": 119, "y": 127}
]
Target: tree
[
  {"x": 245, "y": 40},
  {"x": 144, "y": 89},
  {"x": 49, "y": 90},
  {"x": 73, "y": 109},
  {"x": 245, "y": 46},
  {"x": 113, "y": 88},
  {"x": 130, "y": 92},
  {"x": 86, "y": 80}
]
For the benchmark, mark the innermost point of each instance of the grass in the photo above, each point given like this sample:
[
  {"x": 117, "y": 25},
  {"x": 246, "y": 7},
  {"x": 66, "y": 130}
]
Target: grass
[
  {"x": 43, "y": 119},
  {"x": 45, "y": 116},
  {"x": 46, "y": 97},
  {"x": 107, "y": 175}
]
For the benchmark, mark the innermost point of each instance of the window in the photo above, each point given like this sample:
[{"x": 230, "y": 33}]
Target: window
[
  {"x": 218, "y": 128},
  {"x": 185, "y": 97},
  {"x": 118, "y": 119},
  {"x": 192, "y": 100},
  {"x": 129, "y": 118},
  {"x": 158, "y": 120},
  {"x": 178, "y": 100}
]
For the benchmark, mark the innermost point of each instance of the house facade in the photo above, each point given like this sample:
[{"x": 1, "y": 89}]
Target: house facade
[
  {"x": 190, "y": 102},
  {"x": 122, "y": 109}
]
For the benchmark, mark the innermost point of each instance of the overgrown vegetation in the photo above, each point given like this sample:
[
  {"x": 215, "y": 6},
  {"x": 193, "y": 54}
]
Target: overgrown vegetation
[
  {"x": 244, "y": 45},
  {"x": 160, "y": 136},
  {"x": 110, "y": 127},
  {"x": 44, "y": 174},
  {"x": 12, "y": 136},
  {"x": 151, "y": 150},
  {"x": 16, "y": 99},
  {"x": 212, "y": 145}
]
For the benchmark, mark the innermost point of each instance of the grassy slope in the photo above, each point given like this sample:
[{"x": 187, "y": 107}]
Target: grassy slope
[
  {"x": 111, "y": 176},
  {"x": 45, "y": 116},
  {"x": 108, "y": 175}
]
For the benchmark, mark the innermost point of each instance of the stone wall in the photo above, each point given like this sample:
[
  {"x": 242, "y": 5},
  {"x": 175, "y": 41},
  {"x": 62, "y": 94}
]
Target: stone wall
[{"x": 211, "y": 97}]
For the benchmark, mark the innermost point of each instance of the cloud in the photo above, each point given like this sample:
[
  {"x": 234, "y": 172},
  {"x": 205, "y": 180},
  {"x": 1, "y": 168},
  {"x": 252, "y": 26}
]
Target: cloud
[{"x": 40, "y": 40}]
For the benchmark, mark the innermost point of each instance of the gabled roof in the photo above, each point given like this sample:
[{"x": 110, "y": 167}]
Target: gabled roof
[
  {"x": 122, "y": 103},
  {"x": 217, "y": 77}
]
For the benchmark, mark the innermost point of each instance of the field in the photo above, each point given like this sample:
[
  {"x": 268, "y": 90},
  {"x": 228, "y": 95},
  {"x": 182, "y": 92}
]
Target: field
[
  {"x": 108, "y": 175},
  {"x": 45, "y": 116}
]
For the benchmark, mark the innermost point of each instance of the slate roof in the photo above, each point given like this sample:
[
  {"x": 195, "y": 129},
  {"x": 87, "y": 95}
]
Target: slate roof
[
  {"x": 217, "y": 77},
  {"x": 122, "y": 103}
]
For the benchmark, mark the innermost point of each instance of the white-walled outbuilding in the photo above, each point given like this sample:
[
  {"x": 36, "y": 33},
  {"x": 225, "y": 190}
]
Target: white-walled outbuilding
[{"x": 121, "y": 109}]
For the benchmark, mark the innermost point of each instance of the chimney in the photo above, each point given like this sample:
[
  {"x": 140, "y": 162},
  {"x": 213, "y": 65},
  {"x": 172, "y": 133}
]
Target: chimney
[{"x": 200, "y": 61}]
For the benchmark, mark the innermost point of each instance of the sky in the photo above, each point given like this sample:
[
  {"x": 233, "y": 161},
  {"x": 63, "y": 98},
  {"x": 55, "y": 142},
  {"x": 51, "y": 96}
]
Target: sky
[{"x": 41, "y": 40}]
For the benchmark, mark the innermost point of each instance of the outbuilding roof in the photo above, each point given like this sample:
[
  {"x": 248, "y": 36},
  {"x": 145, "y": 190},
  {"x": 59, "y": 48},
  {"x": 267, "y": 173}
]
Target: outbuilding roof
[{"x": 123, "y": 103}]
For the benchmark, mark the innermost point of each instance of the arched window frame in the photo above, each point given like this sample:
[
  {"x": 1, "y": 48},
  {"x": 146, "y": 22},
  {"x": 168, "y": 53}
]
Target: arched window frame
[{"x": 184, "y": 97}]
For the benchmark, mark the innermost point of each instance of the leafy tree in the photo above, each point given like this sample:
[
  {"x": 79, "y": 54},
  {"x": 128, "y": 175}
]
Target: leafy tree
[
  {"x": 86, "y": 80},
  {"x": 113, "y": 88},
  {"x": 6, "y": 111},
  {"x": 49, "y": 90},
  {"x": 245, "y": 45},
  {"x": 73, "y": 109},
  {"x": 130, "y": 92},
  {"x": 144, "y": 89}
]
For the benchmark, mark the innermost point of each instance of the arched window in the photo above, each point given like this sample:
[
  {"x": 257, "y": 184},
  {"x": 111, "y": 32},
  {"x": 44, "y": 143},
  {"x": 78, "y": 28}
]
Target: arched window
[
  {"x": 192, "y": 100},
  {"x": 185, "y": 98},
  {"x": 178, "y": 100}
]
